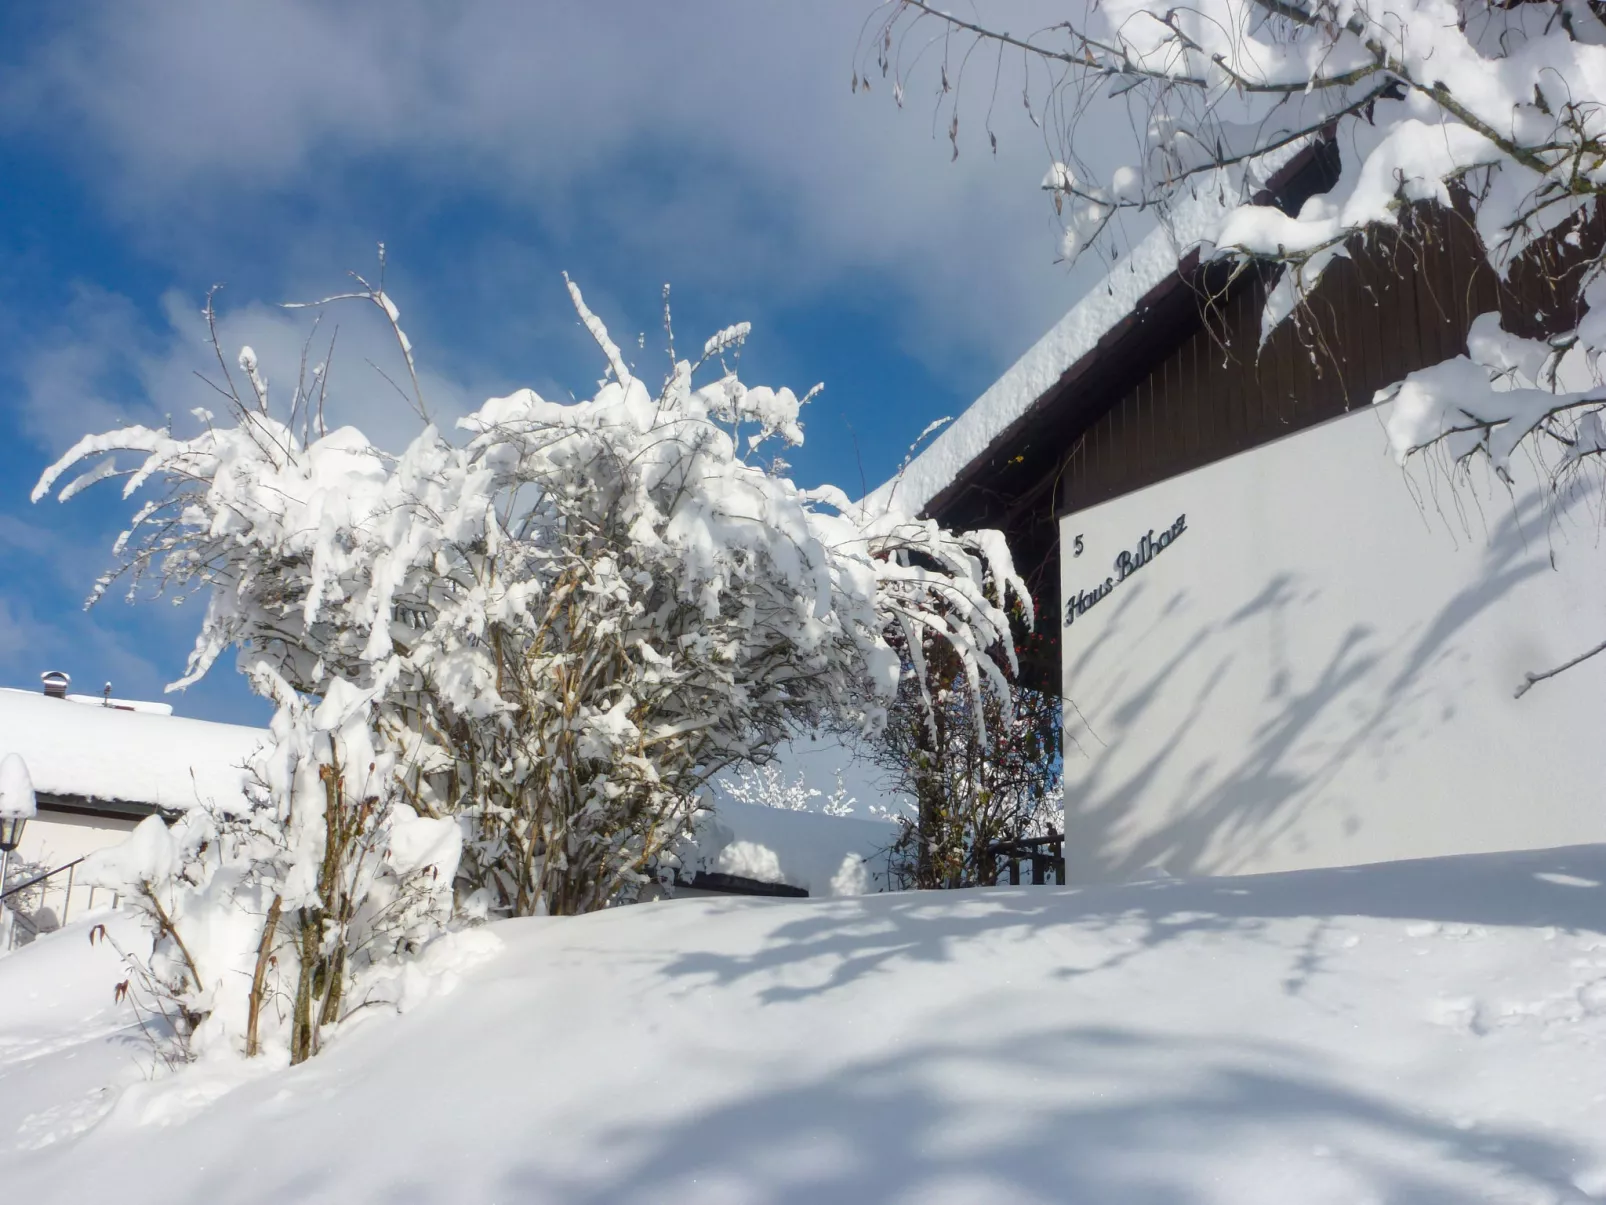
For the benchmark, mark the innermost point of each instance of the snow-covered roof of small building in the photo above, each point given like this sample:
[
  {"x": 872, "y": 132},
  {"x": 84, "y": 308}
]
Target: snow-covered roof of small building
[
  {"x": 823, "y": 855},
  {"x": 89, "y": 752}
]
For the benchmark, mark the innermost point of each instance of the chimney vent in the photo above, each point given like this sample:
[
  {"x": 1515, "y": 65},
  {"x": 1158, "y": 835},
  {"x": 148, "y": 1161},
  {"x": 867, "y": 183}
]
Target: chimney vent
[{"x": 56, "y": 683}]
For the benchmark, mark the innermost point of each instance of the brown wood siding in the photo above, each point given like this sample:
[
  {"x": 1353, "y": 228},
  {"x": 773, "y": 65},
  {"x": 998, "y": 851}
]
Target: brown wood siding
[
  {"x": 1389, "y": 308},
  {"x": 1182, "y": 381}
]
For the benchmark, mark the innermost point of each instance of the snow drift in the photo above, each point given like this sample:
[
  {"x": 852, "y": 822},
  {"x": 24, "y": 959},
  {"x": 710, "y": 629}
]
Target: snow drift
[{"x": 1415, "y": 1032}]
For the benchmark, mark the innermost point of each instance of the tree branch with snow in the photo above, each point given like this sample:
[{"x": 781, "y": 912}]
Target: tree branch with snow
[{"x": 1495, "y": 111}]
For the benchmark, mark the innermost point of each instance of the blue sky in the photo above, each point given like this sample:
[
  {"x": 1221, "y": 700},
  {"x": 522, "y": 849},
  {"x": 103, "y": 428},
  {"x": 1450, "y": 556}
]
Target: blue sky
[{"x": 151, "y": 149}]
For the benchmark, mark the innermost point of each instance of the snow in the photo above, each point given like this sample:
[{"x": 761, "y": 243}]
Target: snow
[
  {"x": 824, "y": 855},
  {"x": 149, "y": 854},
  {"x": 16, "y": 788},
  {"x": 419, "y": 842},
  {"x": 120, "y": 704},
  {"x": 137, "y": 757},
  {"x": 1405, "y": 1033}
]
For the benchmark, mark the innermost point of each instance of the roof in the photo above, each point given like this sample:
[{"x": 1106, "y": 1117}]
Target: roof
[
  {"x": 822, "y": 855},
  {"x": 120, "y": 704},
  {"x": 86, "y": 756},
  {"x": 1158, "y": 261}
]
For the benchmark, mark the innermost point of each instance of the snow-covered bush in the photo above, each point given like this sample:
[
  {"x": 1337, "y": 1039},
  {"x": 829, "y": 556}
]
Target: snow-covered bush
[
  {"x": 660, "y": 605},
  {"x": 982, "y": 767},
  {"x": 274, "y": 906},
  {"x": 552, "y": 634},
  {"x": 1494, "y": 113}
]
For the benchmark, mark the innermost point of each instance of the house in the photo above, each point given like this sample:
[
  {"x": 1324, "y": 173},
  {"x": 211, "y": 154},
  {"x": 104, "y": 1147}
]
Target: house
[
  {"x": 1278, "y": 648},
  {"x": 101, "y": 765}
]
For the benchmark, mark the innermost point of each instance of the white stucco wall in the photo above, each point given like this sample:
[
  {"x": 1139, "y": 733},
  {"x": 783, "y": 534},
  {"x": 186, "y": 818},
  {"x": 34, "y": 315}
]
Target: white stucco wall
[
  {"x": 53, "y": 839},
  {"x": 1319, "y": 669}
]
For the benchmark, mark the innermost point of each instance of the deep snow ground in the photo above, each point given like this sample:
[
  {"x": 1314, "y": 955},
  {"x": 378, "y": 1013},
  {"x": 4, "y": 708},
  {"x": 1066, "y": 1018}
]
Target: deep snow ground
[{"x": 1429, "y": 1032}]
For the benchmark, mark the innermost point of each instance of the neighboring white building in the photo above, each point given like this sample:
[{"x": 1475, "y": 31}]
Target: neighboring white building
[
  {"x": 100, "y": 766},
  {"x": 1279, "y": 649}
]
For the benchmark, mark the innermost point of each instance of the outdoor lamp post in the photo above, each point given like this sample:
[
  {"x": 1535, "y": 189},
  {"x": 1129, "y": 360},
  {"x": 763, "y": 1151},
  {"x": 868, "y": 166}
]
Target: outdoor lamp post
[{"x": 17, "y": 806}]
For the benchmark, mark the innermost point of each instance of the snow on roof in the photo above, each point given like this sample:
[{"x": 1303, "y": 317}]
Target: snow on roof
[
  {"x": 1117, "y": 294},
  {"x": 121, "y": 704},
  {"x": 103, "y": 753},
  {"x": 824, "y": 855}
]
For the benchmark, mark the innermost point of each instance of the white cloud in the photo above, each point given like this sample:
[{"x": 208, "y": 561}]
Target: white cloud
[
  {"x": 714, "y": 141},
  {"x": 14, "y": 633},
  {"x": 29, "y": 645},
  {"x": 552, "y": 105},
  {"x": 101, "y": 368},
  {"x": 80, "y": 374}
]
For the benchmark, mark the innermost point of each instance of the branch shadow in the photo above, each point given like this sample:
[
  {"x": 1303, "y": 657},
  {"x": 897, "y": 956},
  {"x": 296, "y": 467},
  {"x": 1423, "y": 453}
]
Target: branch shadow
[
  {"x": 847, "y": 940},
  {"x": 913, "y": 1126},
  {"x": 1226, "y": 816}
]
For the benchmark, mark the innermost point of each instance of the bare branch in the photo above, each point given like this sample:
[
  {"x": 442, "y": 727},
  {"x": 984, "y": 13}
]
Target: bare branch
[{"x": 1529, "y": 680}]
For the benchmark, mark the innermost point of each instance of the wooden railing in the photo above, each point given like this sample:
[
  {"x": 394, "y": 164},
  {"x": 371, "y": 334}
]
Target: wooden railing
[{"x": 1045, "y": 855}]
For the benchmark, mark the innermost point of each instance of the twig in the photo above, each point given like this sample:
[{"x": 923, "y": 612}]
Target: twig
[
  {"x": 259, "y": 976},
  {"x": 1530, "y": 679}
]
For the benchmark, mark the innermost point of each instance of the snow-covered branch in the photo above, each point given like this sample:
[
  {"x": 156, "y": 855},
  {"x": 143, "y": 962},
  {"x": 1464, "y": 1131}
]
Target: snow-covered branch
[{"x": 1494, "y": 111}]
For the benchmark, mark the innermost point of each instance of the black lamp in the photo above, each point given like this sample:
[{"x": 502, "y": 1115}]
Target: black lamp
[
  {"x": 17, "y": 806},
  {"x": 11, "y": 832}
]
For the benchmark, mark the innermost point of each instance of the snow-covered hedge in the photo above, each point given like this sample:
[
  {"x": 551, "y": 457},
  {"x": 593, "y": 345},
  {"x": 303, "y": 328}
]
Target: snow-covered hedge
[{"x": 552, "y": 633}]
